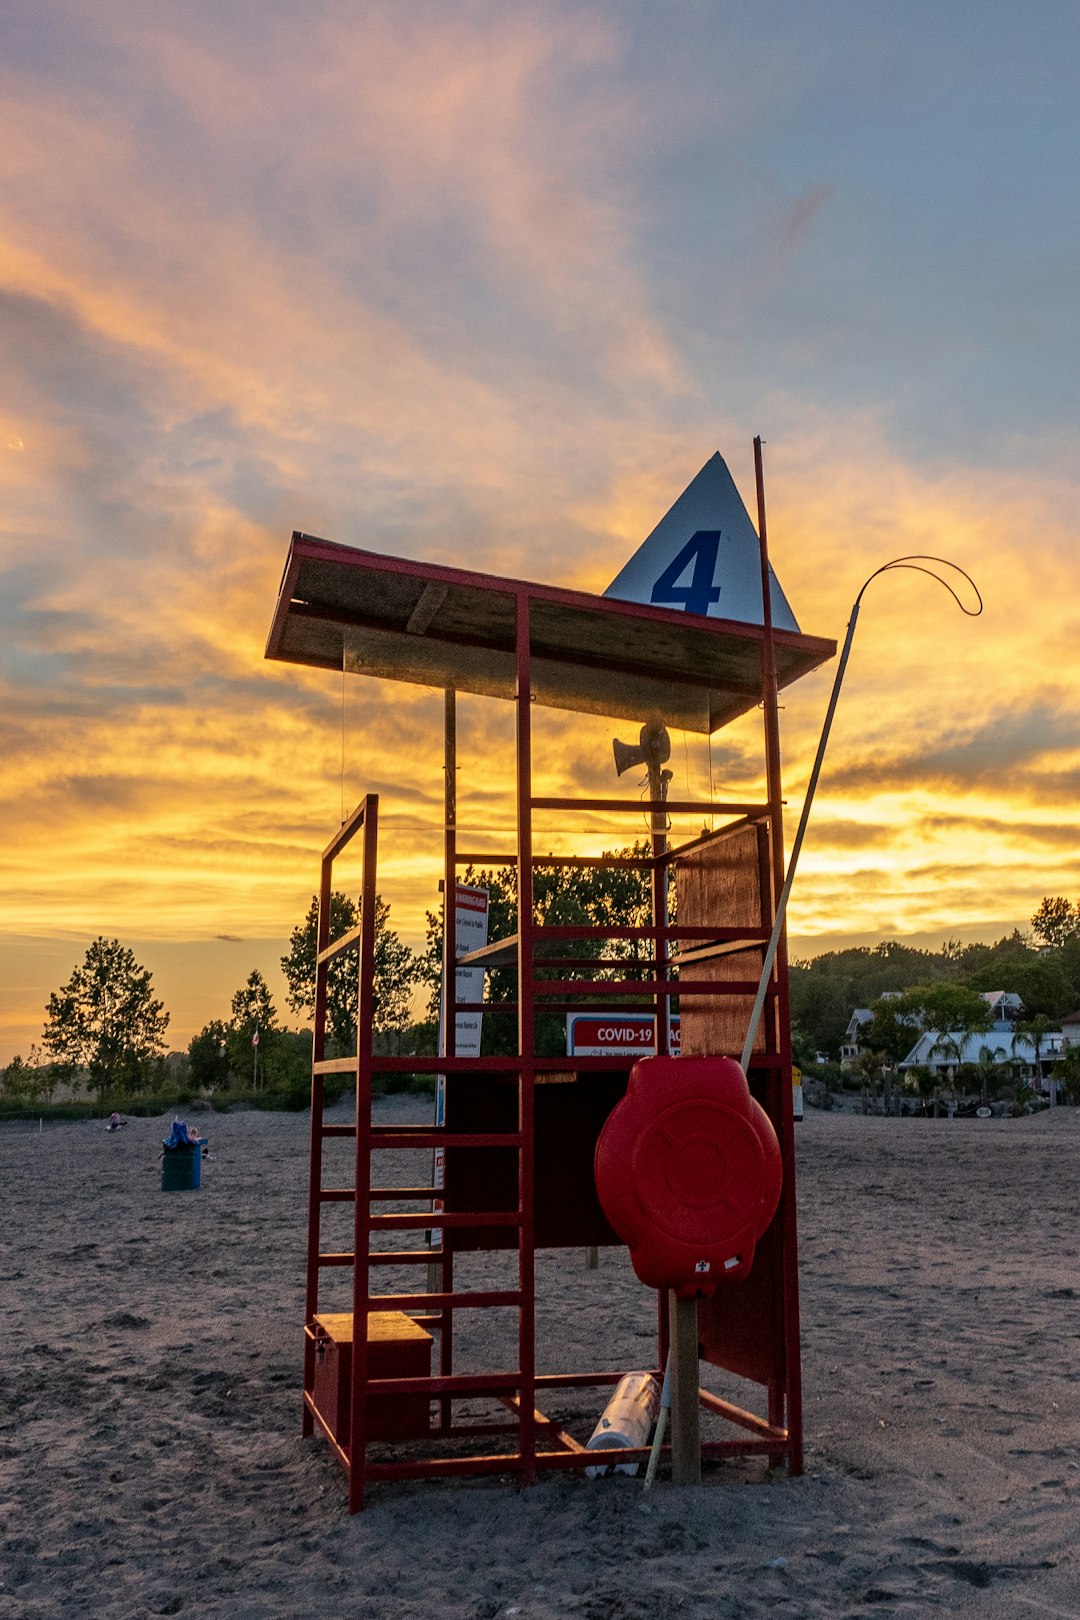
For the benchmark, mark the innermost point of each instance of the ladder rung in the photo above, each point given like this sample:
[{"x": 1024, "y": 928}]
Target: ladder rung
[
  {"x": 689, "y": 807},
  {"x": 391, "y": 1257},
  {"x": 366, "y": 810},
  {"x": 432, "y": 1136},
  {"x": 422, "y": 1302},
  {"x": 407, "y": 1195},
  {"x": 446, "y": 1218},
  {"x": 345, "y": 1065},
  {"x": 379, "y": 1194},
  {"x": 343, "y": 943},
  {"x": 507, "y": 1383},
  {"x": 644, "y": 989},
  {"x": 404, "y": 1257},
  {"x": 426, "y": 1136}
]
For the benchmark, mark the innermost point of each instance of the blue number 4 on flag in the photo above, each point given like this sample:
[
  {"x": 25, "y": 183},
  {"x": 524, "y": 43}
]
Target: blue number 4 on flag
[
  {"x": 703, "y": 557},
  {"x": 695, "y": 594}
]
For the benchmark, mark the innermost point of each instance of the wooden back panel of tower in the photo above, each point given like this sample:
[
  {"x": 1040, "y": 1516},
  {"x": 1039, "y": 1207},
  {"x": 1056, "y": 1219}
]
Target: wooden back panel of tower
[{"x": 725, "y": 882}]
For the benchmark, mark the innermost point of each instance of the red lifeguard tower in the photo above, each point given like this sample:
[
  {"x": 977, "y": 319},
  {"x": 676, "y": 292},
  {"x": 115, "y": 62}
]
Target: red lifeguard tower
[{"x": 519, "y": 1132}]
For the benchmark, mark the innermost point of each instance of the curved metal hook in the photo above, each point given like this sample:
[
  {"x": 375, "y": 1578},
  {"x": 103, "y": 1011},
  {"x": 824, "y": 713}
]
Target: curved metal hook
[{"x": 914, "y": 563}]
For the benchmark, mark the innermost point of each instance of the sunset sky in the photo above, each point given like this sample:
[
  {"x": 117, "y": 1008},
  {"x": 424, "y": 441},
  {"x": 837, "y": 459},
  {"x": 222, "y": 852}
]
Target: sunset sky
[{"x": 487, "y": 283}]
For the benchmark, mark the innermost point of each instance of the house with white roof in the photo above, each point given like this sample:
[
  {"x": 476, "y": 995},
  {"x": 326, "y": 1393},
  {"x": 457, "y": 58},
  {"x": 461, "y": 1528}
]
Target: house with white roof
[
  {"x": 942, "y": 1053},
  {"x": 945, "y": 1051}
]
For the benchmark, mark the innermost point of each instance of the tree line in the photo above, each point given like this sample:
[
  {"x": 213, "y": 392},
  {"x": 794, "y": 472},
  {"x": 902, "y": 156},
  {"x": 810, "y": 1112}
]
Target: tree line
[
  {"x": 105, "y": 1030},
  {"x": 938, "y": 990}
]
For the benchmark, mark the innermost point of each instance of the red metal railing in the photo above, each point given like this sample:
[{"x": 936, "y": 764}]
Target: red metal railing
[{"x": 539, "y": 1442}]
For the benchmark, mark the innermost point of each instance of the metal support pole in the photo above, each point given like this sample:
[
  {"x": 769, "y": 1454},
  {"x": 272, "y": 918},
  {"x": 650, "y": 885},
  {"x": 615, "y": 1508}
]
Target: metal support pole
[
  {"x": 450, "y": 873},
  {"x": 661, "y": 1424},
  {"x": 796, "y": 848},
  {"x": 785, "y": 1384},
  {"x": 440, "y": 1272},
  {"x": 682, "y": 1314},
  {"x": 315, "y": 1153},
  {"x": 361, "y": 1302},
  {"x": 658, "y": 792},
  {"x": 526, "y": 1051}
]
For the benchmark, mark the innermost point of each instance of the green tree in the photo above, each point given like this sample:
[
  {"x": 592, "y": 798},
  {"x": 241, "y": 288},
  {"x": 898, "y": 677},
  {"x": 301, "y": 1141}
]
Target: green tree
[
  {"x": 950, "y": 1012},
  {"x": 29, "y": 1079},
  {"x": 991, "y": 1070},
  {"x": 922, "y": 1082},
  {"x": 1056, "y": 920},
  {"x": 571, "y": 896},
  {"x": 826, "y": 989},
  {"x": 947, "y": 1009},
  {"x": 288, "y": 1064},
  {"x": 1035, "y": 1028},
  {"x": 395, "y": 972},
  {"x": 1069, "y": 958},
  {"x": 992, "y": 967},
  {"x": 870, "y": 1067},
  {"x": 891, "y": 1030},
  {"x": 253, "y": 1012},
  {"x": 1043, "y": 986},
  {"x": 820, "y": 1012},
  {"x": 253, "y": 1005},
  {"x": 19, "y": 1083},
  {"x": 208, "y": 1061},
  {"x": 1067, "y": 1074},
  {"x": 106, "y": 1021}
]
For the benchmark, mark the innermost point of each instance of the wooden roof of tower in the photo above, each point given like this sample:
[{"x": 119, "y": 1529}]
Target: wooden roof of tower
[{"x": 339, "y": 606}]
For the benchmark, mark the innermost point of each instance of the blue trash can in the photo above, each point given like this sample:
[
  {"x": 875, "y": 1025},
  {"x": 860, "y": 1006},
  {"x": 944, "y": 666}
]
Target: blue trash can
[{"x": 181, "y": 1160}]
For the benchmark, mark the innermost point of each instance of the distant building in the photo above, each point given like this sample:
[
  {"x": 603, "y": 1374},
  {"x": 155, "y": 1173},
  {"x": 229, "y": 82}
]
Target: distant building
[
  {"x": 940, "y": 1051},
  {"x": 852, "y": 1035},
  {"x": 1005, "y": 1005},
  {"x": 856, "y": 1024},
  {"x": 1070, "y": 1029}
]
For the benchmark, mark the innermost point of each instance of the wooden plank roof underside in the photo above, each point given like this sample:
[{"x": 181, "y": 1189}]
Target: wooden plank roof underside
[{"x": 341, "y": 607}]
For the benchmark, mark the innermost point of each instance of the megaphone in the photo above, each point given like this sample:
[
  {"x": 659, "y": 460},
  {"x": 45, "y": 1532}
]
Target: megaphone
[{"x": 653, "y": 747}]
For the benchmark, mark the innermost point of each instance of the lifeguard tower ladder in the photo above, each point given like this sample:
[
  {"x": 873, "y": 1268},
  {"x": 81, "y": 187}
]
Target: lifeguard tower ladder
[{"x": 518, "y": 1150}]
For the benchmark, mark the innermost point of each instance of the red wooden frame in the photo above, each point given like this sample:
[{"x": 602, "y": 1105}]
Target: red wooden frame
[{"x": 538, "y": 1442}]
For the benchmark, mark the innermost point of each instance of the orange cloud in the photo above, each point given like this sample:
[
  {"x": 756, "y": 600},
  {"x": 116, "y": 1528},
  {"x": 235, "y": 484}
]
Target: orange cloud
[{"x": 391, "y": 287}]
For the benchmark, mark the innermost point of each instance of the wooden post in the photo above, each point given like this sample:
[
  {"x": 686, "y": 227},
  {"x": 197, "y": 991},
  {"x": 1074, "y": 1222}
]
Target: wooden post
[
  {"x": 682, "y": 1313},
  {"x": 685, "y": 1410}
]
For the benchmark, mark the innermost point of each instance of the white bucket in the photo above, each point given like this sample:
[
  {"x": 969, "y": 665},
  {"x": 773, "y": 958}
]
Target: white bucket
[{"x": 627, "y": 1421}]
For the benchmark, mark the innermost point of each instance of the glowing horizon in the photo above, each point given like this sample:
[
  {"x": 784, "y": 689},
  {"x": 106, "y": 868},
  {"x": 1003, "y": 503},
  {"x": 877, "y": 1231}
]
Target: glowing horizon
[{"x": 492, "y": 292}]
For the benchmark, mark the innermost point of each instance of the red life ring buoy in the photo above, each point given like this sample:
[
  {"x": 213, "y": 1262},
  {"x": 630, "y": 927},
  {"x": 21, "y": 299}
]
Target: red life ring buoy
[{"x": 688, "y": 1172}]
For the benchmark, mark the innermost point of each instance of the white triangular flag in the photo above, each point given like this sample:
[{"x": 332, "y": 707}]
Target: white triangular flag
[{"x": 703, "y": 557}]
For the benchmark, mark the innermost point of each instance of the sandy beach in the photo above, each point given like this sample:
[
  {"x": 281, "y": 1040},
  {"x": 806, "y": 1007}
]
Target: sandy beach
[{"x": 150, "y": 1450}]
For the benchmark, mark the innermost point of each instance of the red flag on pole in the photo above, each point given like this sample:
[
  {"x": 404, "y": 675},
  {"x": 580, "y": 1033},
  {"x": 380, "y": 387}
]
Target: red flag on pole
[{"x": 255, "y": 1037}]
